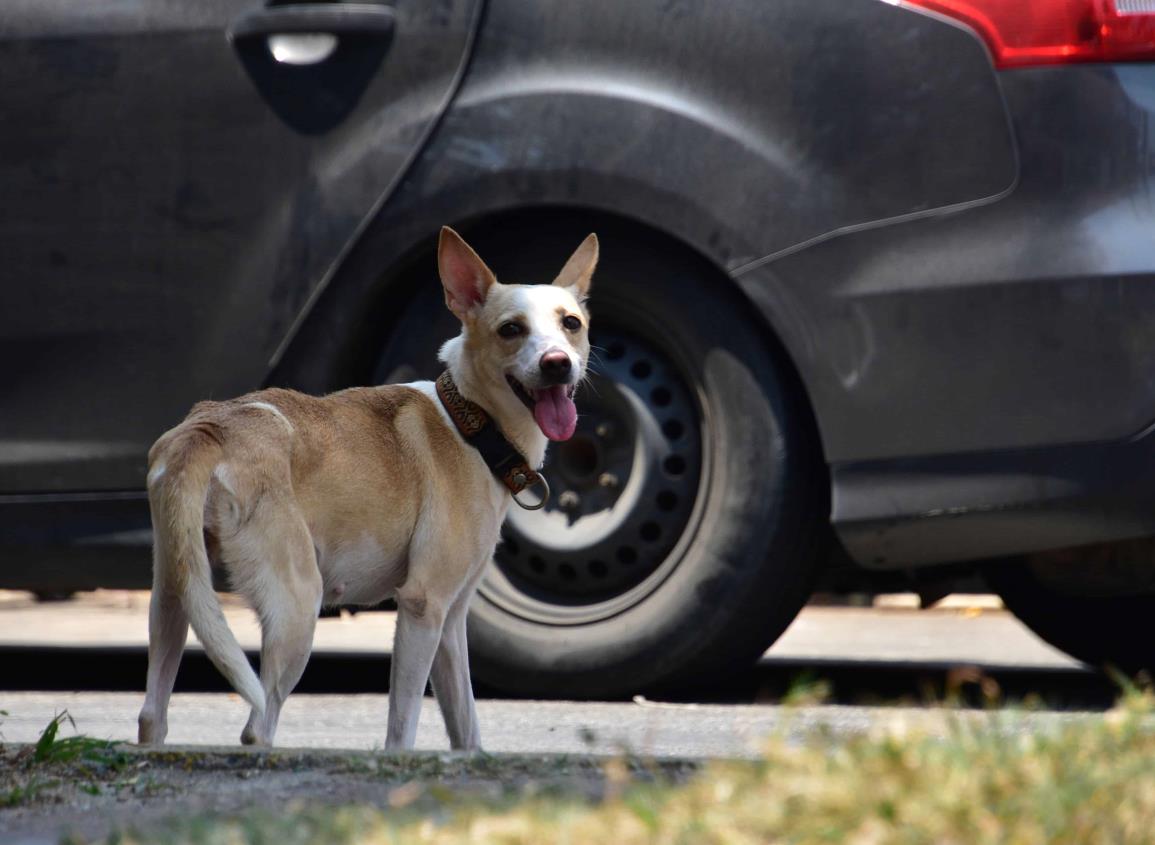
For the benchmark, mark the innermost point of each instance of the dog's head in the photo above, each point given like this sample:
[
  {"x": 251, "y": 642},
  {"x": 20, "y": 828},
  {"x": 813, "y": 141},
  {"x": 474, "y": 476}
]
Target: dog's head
[{"x": 529, "y": 340}]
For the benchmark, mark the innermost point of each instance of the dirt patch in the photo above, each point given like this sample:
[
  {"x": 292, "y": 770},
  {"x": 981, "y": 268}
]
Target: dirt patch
[{"x": 118, "y": 787}]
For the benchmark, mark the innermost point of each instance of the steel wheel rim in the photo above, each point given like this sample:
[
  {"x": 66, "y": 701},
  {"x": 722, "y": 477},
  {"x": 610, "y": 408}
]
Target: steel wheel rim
[{"x": 581, "y": 561}]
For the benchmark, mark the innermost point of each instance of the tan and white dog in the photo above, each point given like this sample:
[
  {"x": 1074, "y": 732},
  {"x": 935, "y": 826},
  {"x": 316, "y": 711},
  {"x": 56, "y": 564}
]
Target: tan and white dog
[{"x": 358, "y": 496}]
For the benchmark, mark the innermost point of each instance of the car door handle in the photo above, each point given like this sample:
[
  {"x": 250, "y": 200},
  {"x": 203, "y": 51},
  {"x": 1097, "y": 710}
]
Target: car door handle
[{"x": 315, "y": 18}]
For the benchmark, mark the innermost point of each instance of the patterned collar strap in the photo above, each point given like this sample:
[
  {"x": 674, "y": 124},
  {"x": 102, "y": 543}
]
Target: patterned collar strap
[{"x": 504, "y": 461}]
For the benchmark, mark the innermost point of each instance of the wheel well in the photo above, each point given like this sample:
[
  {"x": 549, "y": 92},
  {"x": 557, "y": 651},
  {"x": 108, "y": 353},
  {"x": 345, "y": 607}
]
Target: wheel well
[
  {"x": 359, "y": 321},
  {"x": 526, "y": 244},
  {"x": 556, "y": 231}
]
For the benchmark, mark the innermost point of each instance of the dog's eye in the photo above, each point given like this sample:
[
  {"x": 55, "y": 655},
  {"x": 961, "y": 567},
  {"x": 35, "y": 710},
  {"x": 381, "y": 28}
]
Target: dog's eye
[
  {"x": 571, "y": 323},
  {"x": 510, "y": 329}
]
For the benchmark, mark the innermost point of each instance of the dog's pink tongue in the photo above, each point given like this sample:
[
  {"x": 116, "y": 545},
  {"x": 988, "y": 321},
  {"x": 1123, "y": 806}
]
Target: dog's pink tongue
[{"x": 555, "y": 412}]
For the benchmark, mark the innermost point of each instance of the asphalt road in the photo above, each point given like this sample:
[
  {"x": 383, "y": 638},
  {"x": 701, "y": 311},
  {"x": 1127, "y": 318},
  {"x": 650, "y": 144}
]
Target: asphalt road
[{"x": 87, "y": 657}]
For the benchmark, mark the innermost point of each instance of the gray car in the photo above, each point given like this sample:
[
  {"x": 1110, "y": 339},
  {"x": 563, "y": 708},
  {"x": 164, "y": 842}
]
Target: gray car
[{"x": 878, "y": 290}]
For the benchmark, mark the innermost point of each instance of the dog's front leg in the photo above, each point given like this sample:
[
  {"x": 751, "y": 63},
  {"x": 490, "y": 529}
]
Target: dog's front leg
[
  {"x": 419, "y": 624},
  {"x": 451, "y": 683}
]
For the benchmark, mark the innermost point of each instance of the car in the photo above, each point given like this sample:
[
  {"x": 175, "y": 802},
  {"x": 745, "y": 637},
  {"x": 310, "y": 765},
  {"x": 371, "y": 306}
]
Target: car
[{"x": 877, "y": 290}]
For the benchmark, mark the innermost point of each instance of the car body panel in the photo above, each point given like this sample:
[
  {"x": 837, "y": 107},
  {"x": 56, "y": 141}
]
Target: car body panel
[
  {"x": 164, "y": 225},
  {"x": 952, "y": 259},
  {"x": 745, "y": 133},
  {"x": 752, "y": 130},
  {"x": 910, "y": 512},
  {"x": 1029, "y": 322},
  {"x": 988, "y": 386},
  {"x": 905, "y": 329}
]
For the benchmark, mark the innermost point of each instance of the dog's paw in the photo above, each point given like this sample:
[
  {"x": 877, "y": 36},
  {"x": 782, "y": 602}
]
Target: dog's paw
[
  {"x": 249, "y": 736},
  {"x": 150, "y": 731}
]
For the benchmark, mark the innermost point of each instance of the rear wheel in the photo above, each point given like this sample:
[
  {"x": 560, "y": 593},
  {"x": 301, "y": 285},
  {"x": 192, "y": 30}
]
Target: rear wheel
[
  {"x": 625, "y": 488},
  {"x": 1094, "y": 604},
  {"x": 682, "y": 536}
]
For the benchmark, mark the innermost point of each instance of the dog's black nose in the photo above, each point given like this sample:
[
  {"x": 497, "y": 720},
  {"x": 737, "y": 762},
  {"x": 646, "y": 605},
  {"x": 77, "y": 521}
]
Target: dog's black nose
[{"x": 556, "y": 367}]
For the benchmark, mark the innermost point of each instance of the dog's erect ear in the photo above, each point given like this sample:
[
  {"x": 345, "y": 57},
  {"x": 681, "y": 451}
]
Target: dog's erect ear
[
  {"x": 464, "y": 275},
  {"x": 579, "y": 270}
]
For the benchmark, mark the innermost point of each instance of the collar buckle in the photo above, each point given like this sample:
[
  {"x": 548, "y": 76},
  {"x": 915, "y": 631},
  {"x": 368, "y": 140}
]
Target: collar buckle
[{"x": 538, "y": 480}]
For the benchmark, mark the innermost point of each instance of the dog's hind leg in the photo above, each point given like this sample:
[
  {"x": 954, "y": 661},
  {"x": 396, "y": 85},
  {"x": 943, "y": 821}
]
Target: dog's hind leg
[
  {"x": 450, "y": 676},
  {"x": 287, "y": 598},
  {"x": 167, "y": 633}
]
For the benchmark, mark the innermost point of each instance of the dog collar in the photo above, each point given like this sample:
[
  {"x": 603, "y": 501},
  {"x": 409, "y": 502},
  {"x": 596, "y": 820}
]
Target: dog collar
[{"x": 507, "y": 464}]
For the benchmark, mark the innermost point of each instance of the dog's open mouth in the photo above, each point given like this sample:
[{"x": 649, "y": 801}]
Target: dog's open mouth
[{"x": 552, "y": 407}]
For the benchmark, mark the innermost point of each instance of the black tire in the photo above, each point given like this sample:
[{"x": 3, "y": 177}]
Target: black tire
[
  {"x": 738, "y": 561},
  {"x": 1102, "y": 631}
]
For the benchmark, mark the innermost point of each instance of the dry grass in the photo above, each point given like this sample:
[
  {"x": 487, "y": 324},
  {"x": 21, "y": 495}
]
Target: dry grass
[{"x": 991, "y": 779}]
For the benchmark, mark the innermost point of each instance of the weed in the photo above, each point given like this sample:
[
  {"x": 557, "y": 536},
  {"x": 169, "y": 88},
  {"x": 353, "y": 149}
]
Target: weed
[
  {"x": 52, "y": 748},
  {"x": 23, "y": 793},
  {"x": 56, "y": 761},
  {"x": 807, "y": 690}
]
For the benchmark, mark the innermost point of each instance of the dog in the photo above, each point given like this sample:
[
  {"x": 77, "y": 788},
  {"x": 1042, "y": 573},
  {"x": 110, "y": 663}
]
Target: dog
[{"x": 365, "y": 494}]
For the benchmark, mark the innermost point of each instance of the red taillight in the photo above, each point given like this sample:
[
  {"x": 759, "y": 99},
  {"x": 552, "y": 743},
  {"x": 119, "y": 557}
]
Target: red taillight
[{"x": 1046, "y": 32}]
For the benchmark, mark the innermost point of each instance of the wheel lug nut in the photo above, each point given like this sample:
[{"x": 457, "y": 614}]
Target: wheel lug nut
[
  {"x": 569, "y": 501},
  {"x": 608, "y": 480}
]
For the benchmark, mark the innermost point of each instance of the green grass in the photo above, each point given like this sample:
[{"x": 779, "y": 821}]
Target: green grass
[
  {"x": 992, "y": 778},
  {"x": 53, "y": 748},
  {"x": 53, "y": 758}
]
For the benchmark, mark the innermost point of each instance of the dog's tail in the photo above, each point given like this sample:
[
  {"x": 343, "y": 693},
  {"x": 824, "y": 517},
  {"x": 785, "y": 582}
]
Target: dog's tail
[{"x": 179, "y": 478}]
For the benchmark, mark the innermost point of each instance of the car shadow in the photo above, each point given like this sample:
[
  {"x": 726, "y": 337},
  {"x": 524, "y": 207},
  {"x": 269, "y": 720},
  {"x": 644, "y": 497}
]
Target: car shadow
[{"x": 771, "y": 681}]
